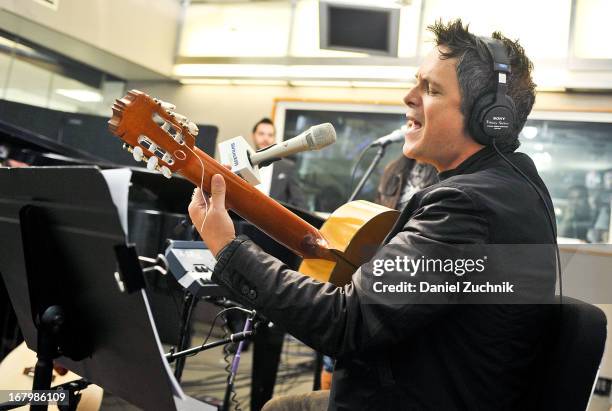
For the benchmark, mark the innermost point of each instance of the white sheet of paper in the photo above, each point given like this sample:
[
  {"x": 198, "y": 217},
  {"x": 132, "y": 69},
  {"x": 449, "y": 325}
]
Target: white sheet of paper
[{"x": 118, "y": 181}]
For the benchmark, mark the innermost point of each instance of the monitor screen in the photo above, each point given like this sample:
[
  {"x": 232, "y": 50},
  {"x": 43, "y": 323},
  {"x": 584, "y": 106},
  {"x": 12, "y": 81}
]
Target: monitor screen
[{"x": 373, "y": 30}]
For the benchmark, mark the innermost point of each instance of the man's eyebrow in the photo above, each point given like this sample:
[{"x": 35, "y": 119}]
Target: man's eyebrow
[{"x": 428, "y": 80}]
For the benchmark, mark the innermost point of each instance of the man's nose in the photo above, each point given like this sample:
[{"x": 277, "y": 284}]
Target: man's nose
[{"x": 411, "y": 99}]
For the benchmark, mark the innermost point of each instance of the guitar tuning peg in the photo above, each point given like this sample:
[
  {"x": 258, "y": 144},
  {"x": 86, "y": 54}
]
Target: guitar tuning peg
[
  {"x": 167, "y": 106},
  {"x": 193, "y": 129},
  {"x": 181, "y": 118},
  {"x": 127, "y": 147},
  {"x": 167, "y": 158},
  {"x": 166, "y": 172},
  {"x": 137, "y": 153},
  {"x": 152, "y": 163}
]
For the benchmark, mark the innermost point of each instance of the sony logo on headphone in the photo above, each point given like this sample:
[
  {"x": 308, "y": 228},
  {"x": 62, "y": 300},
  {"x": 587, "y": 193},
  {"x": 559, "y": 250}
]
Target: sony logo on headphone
[{"x": 499, "y": 118}]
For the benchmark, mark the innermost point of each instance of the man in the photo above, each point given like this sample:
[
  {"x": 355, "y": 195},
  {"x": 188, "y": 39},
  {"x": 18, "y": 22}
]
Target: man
[
  {"x": 420, "y": 356},
  {"x": 402, "y": 178},
  {"x": 277, "y": 180}
]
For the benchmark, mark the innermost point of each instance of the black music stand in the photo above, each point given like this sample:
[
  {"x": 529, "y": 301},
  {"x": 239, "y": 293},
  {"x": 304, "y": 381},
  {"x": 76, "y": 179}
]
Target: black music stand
[{"x": 62, "y": 244}]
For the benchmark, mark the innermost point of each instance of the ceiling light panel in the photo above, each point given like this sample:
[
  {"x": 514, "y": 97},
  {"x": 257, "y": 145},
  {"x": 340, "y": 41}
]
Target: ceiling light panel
[
  {"x": 245, "y": 29},
  {"x": 593, "y": 29},
  {"x": 543, "y": 31}
]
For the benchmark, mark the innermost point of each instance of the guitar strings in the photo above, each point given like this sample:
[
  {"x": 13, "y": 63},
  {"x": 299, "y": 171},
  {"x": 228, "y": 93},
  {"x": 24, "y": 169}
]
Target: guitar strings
[{"x": 201, "y": 188}]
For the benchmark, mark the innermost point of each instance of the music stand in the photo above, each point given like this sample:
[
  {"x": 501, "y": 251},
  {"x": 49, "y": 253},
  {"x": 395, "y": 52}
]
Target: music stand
[{"x": 62, "y": 245}]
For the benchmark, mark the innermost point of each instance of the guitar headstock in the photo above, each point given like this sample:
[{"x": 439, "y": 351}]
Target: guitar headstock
[{"x": 153, "y": 133}]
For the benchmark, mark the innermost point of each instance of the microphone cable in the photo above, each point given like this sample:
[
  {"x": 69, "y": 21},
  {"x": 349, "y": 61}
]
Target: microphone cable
[{"x": 354, "y": 169}]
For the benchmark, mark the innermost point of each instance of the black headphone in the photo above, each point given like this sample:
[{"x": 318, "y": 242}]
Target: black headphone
[
  {"x": 493, "y": 114},
  {"x": 492, "y": 118}
]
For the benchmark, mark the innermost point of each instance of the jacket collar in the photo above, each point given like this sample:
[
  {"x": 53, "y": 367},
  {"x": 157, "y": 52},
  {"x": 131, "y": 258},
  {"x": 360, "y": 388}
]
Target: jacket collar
[{"x": 471, "y": 164}]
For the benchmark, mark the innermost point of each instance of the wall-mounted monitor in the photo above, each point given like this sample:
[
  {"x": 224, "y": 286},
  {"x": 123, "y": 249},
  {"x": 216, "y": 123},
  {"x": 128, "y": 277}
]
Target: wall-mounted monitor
[{"x": 357, "y": 28}]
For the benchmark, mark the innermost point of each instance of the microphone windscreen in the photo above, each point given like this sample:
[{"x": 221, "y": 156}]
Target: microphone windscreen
[{"x": 321, "y": 135}]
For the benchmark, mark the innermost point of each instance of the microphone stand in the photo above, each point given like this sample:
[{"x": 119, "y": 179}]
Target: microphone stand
[
  {"x": 241, "y": 336},
  {"x": 230, "y": 379},
  {"x": 379, "y": 155},
  {"x": 189, "y": 304}
]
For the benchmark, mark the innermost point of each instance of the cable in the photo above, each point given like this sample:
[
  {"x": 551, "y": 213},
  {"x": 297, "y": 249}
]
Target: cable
[
  {"x": 189, "y": 304},
  {"x": 226, "y": 352},
  {"x": 354, "y": 170},
  {"x": 549, "y": 214},
  {"x": 215, "y": 322},
  {"x": 230, "y": 394},
  {"x": 228, "y": 366}
]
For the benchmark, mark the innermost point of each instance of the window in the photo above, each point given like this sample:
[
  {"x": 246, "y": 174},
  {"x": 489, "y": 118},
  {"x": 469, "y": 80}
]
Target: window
[
  {"x": 574, "y": 158},
  {"x": 572, "y": 155},
  {"x": 39, "y": 77},
  {"x": 325, "y": 175}
]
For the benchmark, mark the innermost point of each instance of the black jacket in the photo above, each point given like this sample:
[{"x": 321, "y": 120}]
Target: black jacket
[
  {"x": 284, "y": 185},
  {"x": 440, "y": 357}
]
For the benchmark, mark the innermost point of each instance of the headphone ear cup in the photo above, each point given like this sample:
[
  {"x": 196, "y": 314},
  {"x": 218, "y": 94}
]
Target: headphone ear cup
[
  {"x": 512, "y": 108},
  {"x": 480, "y": 109}
]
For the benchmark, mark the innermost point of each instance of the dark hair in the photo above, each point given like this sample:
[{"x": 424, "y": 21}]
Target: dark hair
[
  {"x": 264, "y": 120},
  {"x": 476, "y": 77}
]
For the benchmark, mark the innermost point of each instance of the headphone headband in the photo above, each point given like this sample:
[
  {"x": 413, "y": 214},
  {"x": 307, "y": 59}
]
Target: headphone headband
[{"x": 497, "y": 51}]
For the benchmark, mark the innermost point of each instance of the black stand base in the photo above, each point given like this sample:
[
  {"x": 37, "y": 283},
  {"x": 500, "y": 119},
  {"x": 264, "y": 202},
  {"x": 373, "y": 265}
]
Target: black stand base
[{"x": 49, "y": 330}]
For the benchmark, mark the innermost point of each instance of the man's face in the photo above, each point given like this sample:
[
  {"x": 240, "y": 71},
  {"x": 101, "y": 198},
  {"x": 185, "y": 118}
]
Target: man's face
[
  {"x": 263, "y": 136},
  {"x": 435, "y": 123}
]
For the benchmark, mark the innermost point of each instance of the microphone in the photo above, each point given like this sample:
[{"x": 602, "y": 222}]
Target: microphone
[
  {"x": 315, "y": 138},
  {"x": 396, "y": 136},
  {"x": 245, "y": 162}
]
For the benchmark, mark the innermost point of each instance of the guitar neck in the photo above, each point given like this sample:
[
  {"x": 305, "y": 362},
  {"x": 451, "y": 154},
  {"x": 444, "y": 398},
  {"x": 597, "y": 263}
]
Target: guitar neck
[{"x": 259, "y": 209}]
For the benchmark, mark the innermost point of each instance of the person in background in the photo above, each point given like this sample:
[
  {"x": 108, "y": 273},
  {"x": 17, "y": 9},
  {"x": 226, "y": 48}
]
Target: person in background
[
  {"x": 277, "y": 180},
  {"x": 600, "y": 231},
  {"x": 577, "y": 217},
  {"x": 401, "y": 179}
]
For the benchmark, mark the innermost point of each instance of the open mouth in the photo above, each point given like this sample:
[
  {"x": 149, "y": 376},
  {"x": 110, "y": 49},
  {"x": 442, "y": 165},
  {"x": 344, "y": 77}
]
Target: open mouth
[{"x": 413, "y": 125}]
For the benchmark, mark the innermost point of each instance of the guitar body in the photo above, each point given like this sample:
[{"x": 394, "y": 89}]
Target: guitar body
[
  {"x": 354, "y": 231},
  {"x": 16, "y": 374}
]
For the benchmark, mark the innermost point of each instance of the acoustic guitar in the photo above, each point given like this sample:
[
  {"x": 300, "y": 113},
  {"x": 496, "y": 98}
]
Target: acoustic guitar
[{"x": 162, "y": 139}]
